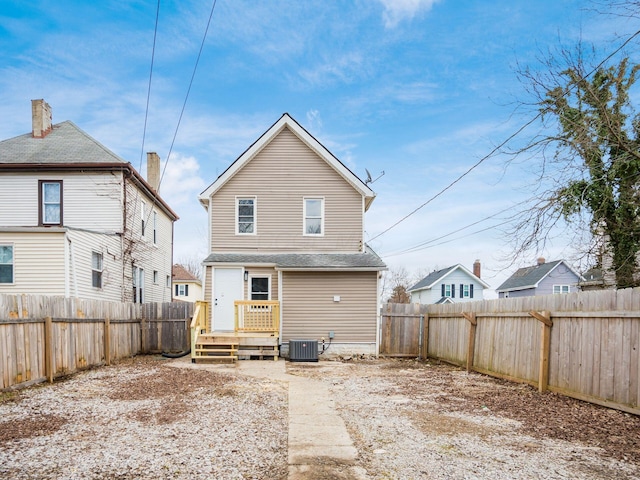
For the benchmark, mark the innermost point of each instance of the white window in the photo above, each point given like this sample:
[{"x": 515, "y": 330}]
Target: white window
[
  {"x": 155, "y": 277},
  {"x": 446, "y": 290},
  {"x": 465, "y": 291},
  {"x": 142, "y": 215},
  {"x": 561, "y": 289},
  {"x": 260, "y": 288},
  {"x": 96, "y": 269},
  {"x": 155, "y": 230},
  {"x": 168, "y": 285},
  {"x": 138, "y": 285},
  {"x": 182, "y": 290},
  {"x": 6, "y": 263},
  {"x": 51, "y": 202},
  {"x": 246, "y": 215},
  {"x": 313, "y": 216}
]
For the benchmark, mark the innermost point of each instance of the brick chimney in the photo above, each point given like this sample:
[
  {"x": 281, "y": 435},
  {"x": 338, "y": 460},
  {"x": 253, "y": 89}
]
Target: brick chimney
[
  {"x": 153, "y": 170},
  {"x": 541, "y": 261},
  {"x": 476, "y": 268},
  {"x": 40, "y": 118}
]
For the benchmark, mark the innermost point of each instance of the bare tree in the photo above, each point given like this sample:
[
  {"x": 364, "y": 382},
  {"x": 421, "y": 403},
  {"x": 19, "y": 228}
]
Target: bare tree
[{"x": 192, "y": 264}]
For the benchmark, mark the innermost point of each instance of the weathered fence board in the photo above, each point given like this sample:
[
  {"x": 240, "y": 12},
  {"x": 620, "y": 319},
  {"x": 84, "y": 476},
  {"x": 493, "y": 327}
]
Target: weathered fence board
[
  {"x": 45, "y": 337},
  {"x": 585, "y": 345}
]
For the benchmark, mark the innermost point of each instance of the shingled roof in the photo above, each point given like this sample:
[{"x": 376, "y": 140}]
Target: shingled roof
[
  {"x": 179, "y": 273},
  {"x": 435, "y": 277},
  {"x": 529, "y": 277}
]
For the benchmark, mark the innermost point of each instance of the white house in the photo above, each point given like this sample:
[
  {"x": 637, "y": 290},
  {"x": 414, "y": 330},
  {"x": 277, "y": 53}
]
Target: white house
[
  {"x": 79, "y": 221},
  {"x": 186, "y": 286},
  {"x": 452, "y": 284}
]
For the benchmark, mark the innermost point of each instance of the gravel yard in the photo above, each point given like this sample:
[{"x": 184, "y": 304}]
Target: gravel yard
[{"x": 153, "y": 418}]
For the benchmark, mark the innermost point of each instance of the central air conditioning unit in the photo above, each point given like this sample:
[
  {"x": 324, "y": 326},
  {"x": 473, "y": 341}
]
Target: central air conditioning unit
[{"x": 303, "y": 350}]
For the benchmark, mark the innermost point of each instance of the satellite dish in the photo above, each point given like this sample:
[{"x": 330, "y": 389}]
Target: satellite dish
[{"x": 368, "y": 180}]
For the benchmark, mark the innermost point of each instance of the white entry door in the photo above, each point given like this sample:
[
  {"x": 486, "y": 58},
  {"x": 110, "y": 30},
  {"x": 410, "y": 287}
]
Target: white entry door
[{"x": 227, "y": 287}]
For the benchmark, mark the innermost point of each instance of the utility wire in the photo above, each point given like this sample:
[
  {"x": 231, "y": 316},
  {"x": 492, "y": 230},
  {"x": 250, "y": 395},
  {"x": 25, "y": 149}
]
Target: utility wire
[{"x": 497, "y": 148}]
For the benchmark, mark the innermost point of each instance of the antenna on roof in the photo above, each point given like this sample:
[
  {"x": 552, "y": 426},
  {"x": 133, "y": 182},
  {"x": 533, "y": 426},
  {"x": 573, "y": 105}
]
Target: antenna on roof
[{"x": 368, "y": 180}]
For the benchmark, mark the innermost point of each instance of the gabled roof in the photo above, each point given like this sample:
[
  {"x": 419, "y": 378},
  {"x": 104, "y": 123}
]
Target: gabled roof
[
  {"x": 181, "y": 274},
  {"x": 530, "y": 277},
  {"x": 438, "y": 276},
  {"x": 287, "y": 121},
  {"x": 67, "y": 147}
]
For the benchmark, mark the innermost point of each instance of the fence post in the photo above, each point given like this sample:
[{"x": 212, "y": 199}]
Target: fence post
[
  {"x": 144, "y": 333},
  {"x": 107, "y": 341},
  {"x": 48, "y": 348},
  {"x": 471, "y": 345},
  {"x": 545, "y": 343},
  {"x": 425, "y": 336}
]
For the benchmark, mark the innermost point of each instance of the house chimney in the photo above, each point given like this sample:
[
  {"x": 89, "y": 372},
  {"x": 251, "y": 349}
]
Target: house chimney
[
  {"x": 40, "y": 118},
  {"x": 476, "y": 268},
  {"x": 153, "y": 170},
  {"x": 541, "y": 260}
]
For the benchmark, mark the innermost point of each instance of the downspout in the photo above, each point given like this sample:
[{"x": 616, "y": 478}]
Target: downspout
[
  {"x": 73, "y": 268},
  {"x": 281, "y": 309},
  {"x": 67, "y": 268},
  {"x": 124, "y": 230},
  {"x": 378, "y": 318}
]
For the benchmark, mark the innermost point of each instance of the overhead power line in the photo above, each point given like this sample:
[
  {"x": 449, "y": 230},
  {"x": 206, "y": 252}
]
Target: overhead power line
[{"x": 502, "y": 144}]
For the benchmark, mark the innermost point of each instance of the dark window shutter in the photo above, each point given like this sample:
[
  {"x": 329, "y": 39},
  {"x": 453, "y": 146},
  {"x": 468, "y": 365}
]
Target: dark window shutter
[
  {"x": 461, "y": 291},
  {"x": 186, "y": 290},
  {"x": 442, "y": 295},
  {"x": 471, "y": 290},
  {"x": 176, "y": 290},
  {"x": 453, "y": 290}
]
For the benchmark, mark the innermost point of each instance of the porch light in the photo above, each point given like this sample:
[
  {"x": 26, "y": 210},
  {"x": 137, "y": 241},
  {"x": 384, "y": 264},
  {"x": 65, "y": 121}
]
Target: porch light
[{"x": 246, "y": 275}]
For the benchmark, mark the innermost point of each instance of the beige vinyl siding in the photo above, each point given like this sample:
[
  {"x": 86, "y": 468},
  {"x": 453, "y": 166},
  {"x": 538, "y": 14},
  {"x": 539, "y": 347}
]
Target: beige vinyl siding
[
  {"x": 89, "y": 201},
  {"x": 39, "y": 263},
  {"x": 280, "y": 177},
  {"x": 208, "y": 295},
  {"x": 309, "y": 309},
  {"x": 82, "y": 245},
  {"x": 262, "y": 272}
]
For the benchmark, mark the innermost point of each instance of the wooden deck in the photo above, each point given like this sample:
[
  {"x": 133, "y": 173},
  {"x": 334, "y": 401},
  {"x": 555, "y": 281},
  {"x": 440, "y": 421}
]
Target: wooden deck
[{"x": 255, "y": 342}]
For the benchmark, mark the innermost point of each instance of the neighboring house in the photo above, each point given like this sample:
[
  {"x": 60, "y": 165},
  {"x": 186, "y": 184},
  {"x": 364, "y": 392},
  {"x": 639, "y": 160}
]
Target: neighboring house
[
  {"x": 286, "y": 223},
  {"x": 79, "y": 221},
  {"x": 449, "y": 285},
  {"x": 544, "y": 278},
  {"x": 186, "y": 286}
]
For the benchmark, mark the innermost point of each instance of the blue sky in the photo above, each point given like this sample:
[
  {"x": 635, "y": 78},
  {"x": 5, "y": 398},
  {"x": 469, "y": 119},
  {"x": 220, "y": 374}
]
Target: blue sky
[{"x": 419, "y": 89}]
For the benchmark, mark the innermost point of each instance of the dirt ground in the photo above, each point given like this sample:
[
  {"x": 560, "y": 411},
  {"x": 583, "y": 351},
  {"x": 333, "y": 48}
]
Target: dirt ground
[{"x": 408, "y": 419}]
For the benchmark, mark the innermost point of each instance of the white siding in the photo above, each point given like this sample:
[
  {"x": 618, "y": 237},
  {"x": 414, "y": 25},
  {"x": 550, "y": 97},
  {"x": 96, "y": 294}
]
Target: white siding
[
  {"x": 82, "y": 245},
  {"x": 195, "y": 291},
  {"x": 89, "y": 201},
  {"x": 39, "y": 263},
  {"x": 142, "y": 251}
]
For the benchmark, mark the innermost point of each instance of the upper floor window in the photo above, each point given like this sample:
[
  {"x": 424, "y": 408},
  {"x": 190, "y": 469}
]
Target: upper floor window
[
  {"x": 155, "y": 228},
  {"x": 561, "y": 289},
  {"x": 155, "y": 277},
  {"x": 313, "y": 216},
  {"x": 246, "y": 215},
  {"x": 446, "y": 290},
  {"x": 143, "y": 214},
  {"x": 138, "y": 284},
  {"x": 6, "y": 263},
  {"x": 96, "y": 269},
  {"x": 50, "y": 207}
]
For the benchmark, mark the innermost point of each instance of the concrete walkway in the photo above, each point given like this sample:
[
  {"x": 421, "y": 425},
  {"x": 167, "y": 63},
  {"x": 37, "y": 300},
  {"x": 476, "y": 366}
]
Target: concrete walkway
[{"x": 319, "y": 445}]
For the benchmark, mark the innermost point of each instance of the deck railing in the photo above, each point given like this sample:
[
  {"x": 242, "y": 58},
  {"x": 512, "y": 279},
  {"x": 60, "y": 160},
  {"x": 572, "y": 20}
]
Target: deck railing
[
  {"x": 199, "y": 323},
  {"x": 257, "y": 316}
]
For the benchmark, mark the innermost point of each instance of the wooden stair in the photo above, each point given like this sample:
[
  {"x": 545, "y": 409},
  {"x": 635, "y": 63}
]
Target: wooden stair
[{"x": 215, "y": 348}]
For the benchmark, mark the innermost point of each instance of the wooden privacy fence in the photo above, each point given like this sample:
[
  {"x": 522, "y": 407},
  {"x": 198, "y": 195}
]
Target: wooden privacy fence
[
  {"x": 46, "y": 337},
  {"x": 584, "y": 345}
]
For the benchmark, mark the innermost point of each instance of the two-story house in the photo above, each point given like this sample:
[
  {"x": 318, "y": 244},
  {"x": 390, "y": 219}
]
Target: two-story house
[
  {"x": 544, "y": 278},
  {"x": 79, "y": 221},
  {"x": 286, "y": 224},
  {"x": 454, "y": 284}
]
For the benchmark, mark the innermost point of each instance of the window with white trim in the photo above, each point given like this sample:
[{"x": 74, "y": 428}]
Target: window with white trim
[
  {"x": 155, "y": 277},
  {"x": 245, "y": 215},
  {"x": 465, "y": 291},
  {"x": 6, "y": 263},
  {"x": 50, "y": 195},
  {"x": 446, "y": 290},
  {"x": 138, "y": 284},
  {"x": 259, "y": 288},
  {"x": 155, "y": 229},
  {"x": 96, "y": 269},
  {"x": 313, "y": 216},
  {"x": 168, "y": 281},
  {"x": 557, "y": 289},
  {"x": 182, "y": 290},
  {"x": 142, "y": 215}
]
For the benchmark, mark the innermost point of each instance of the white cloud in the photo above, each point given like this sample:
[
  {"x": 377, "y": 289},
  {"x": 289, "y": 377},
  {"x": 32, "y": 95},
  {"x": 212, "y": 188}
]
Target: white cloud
[{"x": 397, "y": 10}]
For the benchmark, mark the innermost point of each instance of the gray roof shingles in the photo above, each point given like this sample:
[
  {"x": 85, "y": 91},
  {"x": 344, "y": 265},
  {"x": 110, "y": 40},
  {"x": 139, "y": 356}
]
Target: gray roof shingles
[
  {"x": 364, "y": 261},
  {"x": 431, "y": 278},
  {"x": 65, "y": 144},
  {"x": 527, "y": 276}
]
